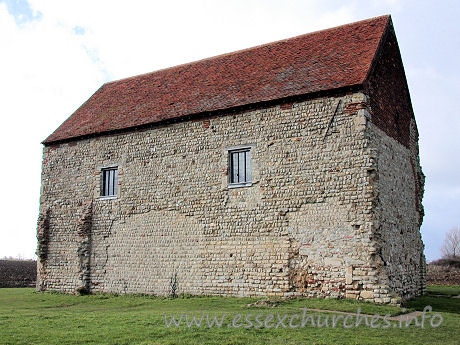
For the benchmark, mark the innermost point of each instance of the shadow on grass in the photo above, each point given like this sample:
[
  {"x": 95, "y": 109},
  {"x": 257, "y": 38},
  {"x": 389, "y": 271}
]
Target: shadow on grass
[
  {"x": 439, "y": 304},
  {"x": 451, "y": 290}
]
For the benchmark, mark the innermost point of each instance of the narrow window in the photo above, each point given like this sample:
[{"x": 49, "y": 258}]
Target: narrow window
[
  {"x": 109, "y": 182},
  {"x": 240, "y": 167}
]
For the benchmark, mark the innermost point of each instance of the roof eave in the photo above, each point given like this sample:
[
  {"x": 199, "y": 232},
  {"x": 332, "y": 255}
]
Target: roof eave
[{"x": 207, "y": 114}]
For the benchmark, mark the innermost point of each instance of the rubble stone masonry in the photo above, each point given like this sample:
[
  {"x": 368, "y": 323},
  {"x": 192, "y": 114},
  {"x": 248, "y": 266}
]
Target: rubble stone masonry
[{"x": 334, "y": 209}]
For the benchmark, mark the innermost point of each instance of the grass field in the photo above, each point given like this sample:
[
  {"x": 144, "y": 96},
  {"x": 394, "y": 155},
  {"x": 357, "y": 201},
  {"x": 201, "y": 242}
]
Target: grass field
[{"x": 27, "y": 317}]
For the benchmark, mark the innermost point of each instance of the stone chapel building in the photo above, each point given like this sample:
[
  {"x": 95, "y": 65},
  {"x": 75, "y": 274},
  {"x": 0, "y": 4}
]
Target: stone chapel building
[{"x": 290, "y": 168}]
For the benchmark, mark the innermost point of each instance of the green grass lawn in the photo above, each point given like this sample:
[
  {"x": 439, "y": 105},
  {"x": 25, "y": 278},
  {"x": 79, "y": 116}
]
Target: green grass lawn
[
  {"x": 27, "y": 317},
  {"x": 452, "y": 290}
]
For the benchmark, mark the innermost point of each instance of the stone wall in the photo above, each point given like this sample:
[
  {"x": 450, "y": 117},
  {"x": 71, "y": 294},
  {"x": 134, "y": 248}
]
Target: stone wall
[
  {"x": 398, "y": 213},
  {"x": 306, "y": 226}
]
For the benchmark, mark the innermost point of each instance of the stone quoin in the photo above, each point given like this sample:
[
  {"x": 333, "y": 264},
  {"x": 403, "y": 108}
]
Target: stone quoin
[{"x": 291, "y": 168}]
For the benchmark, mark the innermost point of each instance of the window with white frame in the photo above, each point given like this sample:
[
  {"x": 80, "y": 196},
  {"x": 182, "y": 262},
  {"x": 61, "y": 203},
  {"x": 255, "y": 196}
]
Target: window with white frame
[
  {"x": 109, "y": 182},
  {"x": 239, "y": 162}
]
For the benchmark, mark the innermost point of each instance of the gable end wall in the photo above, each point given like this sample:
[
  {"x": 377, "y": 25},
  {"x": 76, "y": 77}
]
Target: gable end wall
[{"x": 399, "y": 181}]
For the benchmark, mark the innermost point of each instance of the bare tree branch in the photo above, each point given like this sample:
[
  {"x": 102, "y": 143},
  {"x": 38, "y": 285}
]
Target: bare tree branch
[{"x": 451, "y": 245}]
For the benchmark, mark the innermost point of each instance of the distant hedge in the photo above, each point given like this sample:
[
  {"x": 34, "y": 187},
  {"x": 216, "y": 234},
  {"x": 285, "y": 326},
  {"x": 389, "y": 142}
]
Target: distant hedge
[
  {"x": 452, "y": 262},
  {"x": 18, "y": 273}
]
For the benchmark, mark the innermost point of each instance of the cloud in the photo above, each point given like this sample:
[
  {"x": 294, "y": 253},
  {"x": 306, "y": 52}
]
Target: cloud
[
  {"x": 46, "y": 74},
  {"x": 145, "y": 36}
]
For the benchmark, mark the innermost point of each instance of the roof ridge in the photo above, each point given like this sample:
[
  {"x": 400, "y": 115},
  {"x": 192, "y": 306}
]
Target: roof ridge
[{"x": 246, "y": 49}]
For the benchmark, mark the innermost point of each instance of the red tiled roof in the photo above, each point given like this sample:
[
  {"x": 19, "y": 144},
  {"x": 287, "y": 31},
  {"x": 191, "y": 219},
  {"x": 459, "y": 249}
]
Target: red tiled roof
[{"x": 322, "y": 60}]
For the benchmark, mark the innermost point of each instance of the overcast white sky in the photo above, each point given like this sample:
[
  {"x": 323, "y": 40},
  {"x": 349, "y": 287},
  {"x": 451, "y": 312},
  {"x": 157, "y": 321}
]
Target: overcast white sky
[{"x": 55, "y": 54}]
